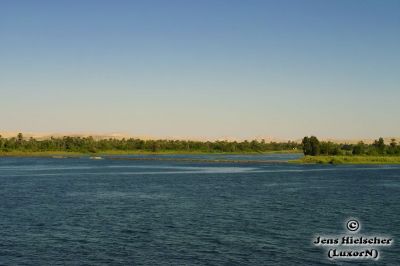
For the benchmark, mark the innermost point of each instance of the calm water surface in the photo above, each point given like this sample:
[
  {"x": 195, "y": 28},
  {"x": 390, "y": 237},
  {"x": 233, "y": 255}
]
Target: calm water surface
[{"x": 120, "y": 212}]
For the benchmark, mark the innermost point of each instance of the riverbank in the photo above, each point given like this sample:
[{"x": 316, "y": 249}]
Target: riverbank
[
  {"x": 348, "y": 160},
  {"x": 303, "y": 160},
  {"x": 115, "y": 152}
]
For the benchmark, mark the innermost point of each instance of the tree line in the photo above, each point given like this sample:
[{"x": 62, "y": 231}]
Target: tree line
[
  {"x": 312, "y": 146},
  {"x": 89, "y": 144}
]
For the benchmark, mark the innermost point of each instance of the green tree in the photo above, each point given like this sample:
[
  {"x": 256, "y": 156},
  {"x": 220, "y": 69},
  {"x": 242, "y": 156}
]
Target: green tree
[
  {"x": 20, "y": 139},
  {"x": 392, "y": 149},
  {"x": 359, "y": 148},
  {"x": 393, "y": 143},
  {"x": 379, "y": 146},
  {"x": 306, "y": 145},
  {"x": 315, "y": 146}
]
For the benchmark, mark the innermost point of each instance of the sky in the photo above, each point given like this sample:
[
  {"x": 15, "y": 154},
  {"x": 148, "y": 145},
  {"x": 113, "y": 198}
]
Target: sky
[{"x": 205, "y": 68}]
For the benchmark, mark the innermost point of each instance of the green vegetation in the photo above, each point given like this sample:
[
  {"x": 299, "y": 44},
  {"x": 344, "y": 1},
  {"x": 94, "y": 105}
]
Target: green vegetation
[
  {"x": 315, "y": 151},
  {"x": 349, "y": 159},
  {"x": 19, "y": 146},
  {"x": 328, "y": 152},
  {"x": 311, "y": 146}
]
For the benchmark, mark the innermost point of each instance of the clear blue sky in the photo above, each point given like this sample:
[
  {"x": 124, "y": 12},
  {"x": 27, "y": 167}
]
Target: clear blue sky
[{"x": 201, "y": 68}]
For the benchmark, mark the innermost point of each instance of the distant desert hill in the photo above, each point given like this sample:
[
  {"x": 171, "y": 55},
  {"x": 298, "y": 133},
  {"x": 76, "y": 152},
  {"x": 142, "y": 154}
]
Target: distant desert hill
[
  {"x": 47, "y": 135},
  {"x": 98, "y": 136}
]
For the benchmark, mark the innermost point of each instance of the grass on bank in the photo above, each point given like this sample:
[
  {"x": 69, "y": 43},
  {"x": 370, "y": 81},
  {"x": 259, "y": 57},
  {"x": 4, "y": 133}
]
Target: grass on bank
[{"x": 349, "y": 159}]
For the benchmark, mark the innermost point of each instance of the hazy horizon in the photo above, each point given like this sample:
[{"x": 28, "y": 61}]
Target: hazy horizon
[{"x": 283, "y": 69}]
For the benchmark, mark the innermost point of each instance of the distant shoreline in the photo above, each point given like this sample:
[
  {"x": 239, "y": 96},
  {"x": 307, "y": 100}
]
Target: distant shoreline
[
  {"x": 347, "y": 159},
  {"x": 322, "y": 159},
  {"x": 105, "y": 153}
]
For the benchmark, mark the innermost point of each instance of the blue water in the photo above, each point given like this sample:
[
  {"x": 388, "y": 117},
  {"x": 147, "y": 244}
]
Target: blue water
[
  {"x": 235, "y": 157},
  {"x": 121, "y": 212}
]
